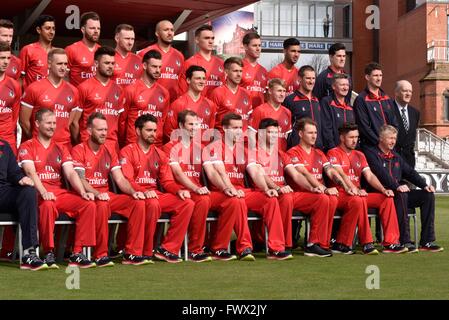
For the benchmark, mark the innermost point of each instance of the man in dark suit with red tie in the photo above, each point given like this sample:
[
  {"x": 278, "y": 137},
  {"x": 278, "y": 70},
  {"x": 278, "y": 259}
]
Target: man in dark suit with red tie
[{"x": 407, "y": 119}]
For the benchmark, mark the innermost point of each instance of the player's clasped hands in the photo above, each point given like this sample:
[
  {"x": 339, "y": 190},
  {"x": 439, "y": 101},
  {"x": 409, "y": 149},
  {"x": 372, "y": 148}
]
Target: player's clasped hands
[
  {"x": 104, "y": 196},
  {"x": 202, "y": 191},
  {"x": 184, "y": 194},
  {"x": 48, "y": 196},
  {"x": 150, "y": 194},
  {"x": 89, "y": 196}
]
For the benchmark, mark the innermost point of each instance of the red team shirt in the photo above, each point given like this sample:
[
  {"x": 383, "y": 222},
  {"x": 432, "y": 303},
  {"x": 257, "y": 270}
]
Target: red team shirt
[
  {"x": 34, "y": 63},
  {"x": 140, "y": 99},
  {"x": 127, "y": 69},
  {"x": 205, "y": 109},
  {"x": 172, "y": 64},
  {"x": 81, "y": 62},
  {"x": 215, "y": 75},
  {"x": 62, "y": 100},
  {"x": 107, "y": 99},
  {"x": 282, "y": 115},
  {"x": 144, "y": 170},
  {"x": 10, "y": 94},
  {"x": 289, "y": 76},
  {"x": 188, "y": 158},
  {"x": 14, "y": 68},
  {"x": 254, "y": 79},
  {"x": 228, "y": 101},
  {"x": 96, "y": 166},
  {"x": 353, "y": 163},
  {"x": 274, "y": 165},
  {"x": 233, "y": 159},
  {"x": 47, "y": 161},
  {"x": 313, "y": 162}
]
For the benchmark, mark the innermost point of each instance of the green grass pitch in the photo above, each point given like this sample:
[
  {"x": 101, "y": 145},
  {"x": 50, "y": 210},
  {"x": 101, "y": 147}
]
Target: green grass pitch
[{"x": 406, "y": 276}]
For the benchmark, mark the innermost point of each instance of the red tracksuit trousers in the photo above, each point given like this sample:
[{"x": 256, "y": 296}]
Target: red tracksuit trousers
[
  {"x": 181, "y": 213},
  {"x": 269, "y": 209},
  {"x": 355, "y": 213},
  {"x": 128, "y": 207},
  {"x": 387, "y": 215},
  {"x": 316, "y": 205},
  {"x": 75, "y": 207}
]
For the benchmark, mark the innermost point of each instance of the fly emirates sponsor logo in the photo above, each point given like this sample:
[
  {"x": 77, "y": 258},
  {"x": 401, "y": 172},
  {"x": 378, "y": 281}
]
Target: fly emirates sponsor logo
[
  {"x": 60, "y": 111},
  {"x": 146, "y": 179},
  {"x": 151, "y": 109},
  {"x": 169, "y": 74},
  {"x": 256, "y": 87},
  {"x": 50, "y": 174},
  {"x": 4, "y": 108},
  {"x": 88, "y": 75},
  {"x": 98, "y": 179},
  {"x": 213, "y": 81},
  {"x": 108, "y": 110},
  {"x": 235, "y": 174}
]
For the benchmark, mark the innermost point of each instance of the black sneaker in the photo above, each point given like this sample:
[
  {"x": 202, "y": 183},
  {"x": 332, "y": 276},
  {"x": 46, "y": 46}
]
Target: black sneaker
[
  {"x": 104, "y": 262},
  {"x": 341, "y": 248},
  {"x": 247, "y": 255},
  {"x": 394, "y": 248},
  {"x": 411, "y": 248},
  {"x": 80, "y": 260},
  {"x": 431, "y": 247},
  {"x": 199, "y": 257},
  {"x": 131, "y": 259},
  {"x": 167, "y": 256},
  {"x": 370, "y": 249},
  {"x": 50, "y": 261},
  {"x": 316, "y": 251},
  {"x": 279, "y": 255},
  {"x": 32, "y": 262},
  {"x": 6, "y": 256},
  {"x": 223, "y": 255},
  {"x": 149, "y": 259}
]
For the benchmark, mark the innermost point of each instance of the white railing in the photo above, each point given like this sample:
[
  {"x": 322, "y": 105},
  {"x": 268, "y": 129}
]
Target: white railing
[
  {"x": 430, "y": 143},
  {"x": 437, "y": 51}
]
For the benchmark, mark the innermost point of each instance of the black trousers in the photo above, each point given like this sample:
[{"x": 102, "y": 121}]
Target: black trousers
[
  {"x": 23, "y": 202},
  {"x": 416, "y": 199}
]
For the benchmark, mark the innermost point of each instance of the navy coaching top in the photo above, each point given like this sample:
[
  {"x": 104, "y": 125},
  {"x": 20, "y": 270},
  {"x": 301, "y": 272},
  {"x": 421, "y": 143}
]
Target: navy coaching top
[
  {"x": 10, "y": 172},
  {"x": 390, "y": 169}
]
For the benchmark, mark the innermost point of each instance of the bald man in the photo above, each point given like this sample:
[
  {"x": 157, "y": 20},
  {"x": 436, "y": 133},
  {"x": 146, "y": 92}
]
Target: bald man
[
  {"x": 407, "y": 119},
  {"x": 172, "y": 59}
]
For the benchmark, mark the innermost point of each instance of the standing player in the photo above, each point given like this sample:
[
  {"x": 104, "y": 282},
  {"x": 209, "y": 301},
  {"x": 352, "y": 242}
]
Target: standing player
[
  {"x": 373, "y": 108},
  {"x": 95, "y": 162},
  {"x": 391, "y": 170},
  {"x": 145, "y": 165},
  {"x": 255, "y": 76},
  {"x": 276, "y": 164},
  {"x": 9, "y": 99},
  {"x": 352, "y": 165},
  {"x": 146, "y": 96},
  {"x": 6, "y": 34},
  {"x": 34, "y": 56},
  {"x": 186, "y": 163},
  {"x": 172, "y": 59},
  {"x": 303, "y": 104},
  {"x": 335, "y": 111},
  {"x": 193, "y": 100},
  {"x": 81, "y": 53},
  {"x": 100, "y": 94},
  {"x": 324, "y": 83},
  {"x": 311, "y": 162},
  {"x": 51, "y": 93},
  {"x": 204, "y": 38},
  {"x": 273, "y": 108},
  {"x": 286, "y": 70},
  {"x": 128, "y": 66},
  {"x": 230, "y": 97},
  {"x": 230, "y": 160},
  {"x": 46, "y": 163}
]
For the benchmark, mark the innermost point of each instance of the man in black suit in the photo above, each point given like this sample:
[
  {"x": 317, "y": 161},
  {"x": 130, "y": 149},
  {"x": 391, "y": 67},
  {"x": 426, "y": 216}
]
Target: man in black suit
[{"x": 408, "y": 119}]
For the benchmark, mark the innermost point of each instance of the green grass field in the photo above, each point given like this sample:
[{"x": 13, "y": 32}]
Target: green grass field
[{"x": 407, "y": 276}]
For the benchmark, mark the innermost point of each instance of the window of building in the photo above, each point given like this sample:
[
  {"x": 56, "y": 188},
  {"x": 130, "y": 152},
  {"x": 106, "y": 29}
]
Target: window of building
[{"x": 446, "y": 105}]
